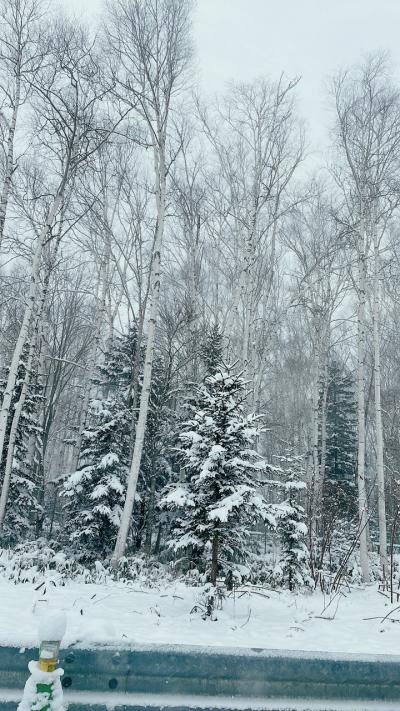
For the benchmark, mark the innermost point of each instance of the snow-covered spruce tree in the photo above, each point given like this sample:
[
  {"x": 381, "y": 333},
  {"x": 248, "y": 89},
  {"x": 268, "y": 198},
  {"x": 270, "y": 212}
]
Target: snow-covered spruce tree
[
  {"x": 22, "y": 505},
  {"x": 154, "y": 468},
  {"x": 94, "y": 494},
  {"x": 220, "y": 499},
  {"x": 95, "y": 491},
  {"x": 339, "y": 492},
  {"x": 293, "y": 569},
  {"x": 213, "y": 348},
  {"x": 341, "y": 427}
]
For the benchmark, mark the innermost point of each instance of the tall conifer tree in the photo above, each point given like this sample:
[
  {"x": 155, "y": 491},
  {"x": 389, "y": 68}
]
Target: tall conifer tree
[
  {"x": 339, "y": 500},
  {"x": 94, "y": 494},
  {"x": 219, "y": 501}
]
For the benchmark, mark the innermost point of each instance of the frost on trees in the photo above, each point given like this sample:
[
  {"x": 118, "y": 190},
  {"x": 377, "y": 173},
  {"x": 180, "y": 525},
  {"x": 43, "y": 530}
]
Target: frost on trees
[
  {"x": 94, "y": 494},
  {"x": 339, "y": 502},
  {"x": 155, "y": 467},
  {"x": 213, "y": 349},
  {"x": 23, "y": 506},
  {"x": 220, "y": 499},
  {"x": 292, "y": 570}
]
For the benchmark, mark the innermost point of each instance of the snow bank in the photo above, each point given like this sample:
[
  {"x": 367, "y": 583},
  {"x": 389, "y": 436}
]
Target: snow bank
[{"x": 119, "y": 615}]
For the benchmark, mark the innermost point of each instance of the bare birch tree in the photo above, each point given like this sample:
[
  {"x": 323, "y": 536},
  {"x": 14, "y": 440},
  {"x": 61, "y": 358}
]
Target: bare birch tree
[
  {"x": 69, "y": 95},
  {"x": 368, "y": 141},
  {"x": 19, "y": 56},
  {"x": 258, "y": 144},
  {"x": 150, "y": 45},
  {"x": 320, "y": 287}
]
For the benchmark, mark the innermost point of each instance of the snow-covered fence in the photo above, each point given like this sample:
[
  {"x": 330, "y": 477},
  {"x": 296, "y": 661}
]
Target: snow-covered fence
[{"x": 165, "y": 675}]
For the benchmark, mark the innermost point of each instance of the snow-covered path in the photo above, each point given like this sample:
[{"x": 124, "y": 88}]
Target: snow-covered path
[{"x": 119, "y": 615}]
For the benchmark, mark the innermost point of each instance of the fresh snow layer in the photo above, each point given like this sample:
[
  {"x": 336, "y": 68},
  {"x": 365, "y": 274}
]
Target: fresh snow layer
[
  {"x": 52, "y": 626},
  {"x": 112, "y": 700},
  {"x": 34, "y": 699},
  {"x": 119, "y": 615}
]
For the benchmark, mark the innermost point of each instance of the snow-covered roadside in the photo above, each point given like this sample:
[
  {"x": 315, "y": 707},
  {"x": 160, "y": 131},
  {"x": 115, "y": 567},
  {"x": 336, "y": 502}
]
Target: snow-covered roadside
[
  {"x": 172, "y": 701},
  {"x": 119, "y": 615}
]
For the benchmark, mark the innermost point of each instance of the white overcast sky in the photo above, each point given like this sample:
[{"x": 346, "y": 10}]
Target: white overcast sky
[{"x": 243, "y": 39}]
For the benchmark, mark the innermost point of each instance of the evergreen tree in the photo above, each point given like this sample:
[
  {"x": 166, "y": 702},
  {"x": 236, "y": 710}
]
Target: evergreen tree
[
  {"x": 341, "y": 425},
  {"x": 155, "y": 468},
  {"x": 293, "y": 567},
  {"x": 220, "y": 499},
  {"x": 22, "y": 505},
  {"x": 96, "y": 490},
  {"x": 339, "y": 495},
  {"x": 115, "y": 375},
  {"x": 94, "y": 494},
  {"x": 213, "y": 349}
]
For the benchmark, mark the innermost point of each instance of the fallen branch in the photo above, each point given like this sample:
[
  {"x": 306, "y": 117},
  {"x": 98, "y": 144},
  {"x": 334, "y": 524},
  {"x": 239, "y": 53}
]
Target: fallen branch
[{"x": 248, "y": 618}]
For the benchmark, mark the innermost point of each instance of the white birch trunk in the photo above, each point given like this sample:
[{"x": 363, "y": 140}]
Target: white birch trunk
[
  {"x": 247, "y": 348},
  {"x": 249, "y": 309},
  {"x": 99, "y": 320},
  {"x": 13, "y": 434},
  {"x": 314, "y": 445},
  {"x": 9, "y": 164},
  {"x": 233, "y": 318},
  {"x": 134, "y": 387},
  {"x": 323, "y": 425},
  {"x": 122, "y": 537},
  {"x": 362, "y": 491},
  {"x": 378, "y": 415},
  {"x": 26, "y": 321},
  {"x": 40, "y": 446},
  {"x": 194, "y": 296},
  {"x": 35, "y": 344}
]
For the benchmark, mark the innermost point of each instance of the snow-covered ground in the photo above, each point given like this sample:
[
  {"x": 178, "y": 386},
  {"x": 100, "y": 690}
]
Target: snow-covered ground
[
  {"x": 120, "y": 615},
  {"x": 168, "y": 701}
]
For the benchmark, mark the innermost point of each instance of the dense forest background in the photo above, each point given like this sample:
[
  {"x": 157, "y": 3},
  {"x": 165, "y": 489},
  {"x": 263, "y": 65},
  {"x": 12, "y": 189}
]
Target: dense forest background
[{"x": 199, "y": 324}]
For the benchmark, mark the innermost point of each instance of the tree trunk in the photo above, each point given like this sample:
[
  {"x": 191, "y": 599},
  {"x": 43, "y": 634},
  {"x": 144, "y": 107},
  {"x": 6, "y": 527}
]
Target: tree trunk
[
  {"x": 378, "y": 416},
  {"x": 35, "y": 346},
  {"x": 26, "y": 321},
  {"x": 248, "y": 306},
  {"x": 9, "y": 163},
  {"x": 160, "y": 171},
  {"x": 315, "y": 447},
  {"x": 362, "y": 491},
  {"x": 39, "y": 466},
  {"x": 150, "y": 515},
  {"x": 141, "y": 523},
  {"x": 13, "y": 433},
  {"x": 99, "y": 320},
  {"x": 214, "y": 559},
  {"x": 194, "y": 299},
  {"x": 134, "y": 386},
  {"x": 323, "y": 424},
  {"x": 158, "y": 540}
]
